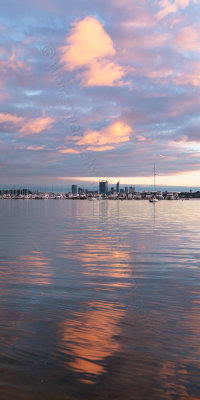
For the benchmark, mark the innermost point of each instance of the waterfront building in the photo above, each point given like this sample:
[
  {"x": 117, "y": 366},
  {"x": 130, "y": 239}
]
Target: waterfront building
[
  {"x": 117, "y": 187},
  {"x": 126, "y": 190},
  {"x": 74, "y": 189},
  {"x": 103, "y": 187}
]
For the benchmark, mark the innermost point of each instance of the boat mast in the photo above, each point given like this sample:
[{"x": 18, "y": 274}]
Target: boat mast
[{"x": 154, "y": 177}]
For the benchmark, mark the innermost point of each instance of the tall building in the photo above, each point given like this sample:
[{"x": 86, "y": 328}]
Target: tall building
[
  {"x": 103, "y": 187},
  {"x": 132, "y": 189},
  {"x": 74, "y": 189},
  {"x": 117, "y": 187},
  {"x": 126, "y": 189}
]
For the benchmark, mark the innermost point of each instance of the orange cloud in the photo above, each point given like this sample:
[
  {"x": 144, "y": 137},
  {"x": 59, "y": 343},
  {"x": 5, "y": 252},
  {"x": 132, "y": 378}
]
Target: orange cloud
[
  {"x": 103, "y": 73},
  {"x": 86, "y": 43},
  {"x": 100, "y": 148},
  {"x": 116, "y": 133},
  {"x": 25, "y": 126},
  {"x": 36, "y": 126},
  {"x": 88, "y": 46},
  {"x": 69, "y": 151},
  {"x": 35, "y": 147},
  {"x": 103, "y": 140}
]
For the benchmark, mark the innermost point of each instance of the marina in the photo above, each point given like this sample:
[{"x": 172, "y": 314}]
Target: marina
[{"x": 152, "y": 197}]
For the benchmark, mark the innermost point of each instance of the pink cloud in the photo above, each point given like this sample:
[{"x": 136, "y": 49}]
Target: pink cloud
[
  {"x": 14, "y": 119},
  {"x": 25, "y": 126},
  {"x": 35, "y": 148},
  {"x": 117, "y": 132},
  {"x": 36, "y": 126},
  {"x": 103, "y": 73},
  {"x": 105, "y": 139},
  {"x": 138, "y": 49},
  {"x": 69, "y": 151},
  {"x": 141, "y": 138},
  {"x": 188, "y": 39},
  {"x": 161, "y": 73},
  {"x": 88, "y": 46},
  {"x": 189, "y": 75},
  {"x": 100, "y": 148},
  {"x": 13, "y": 63},
  {"x": 180, "y": 107},
  {"x": 168, "y": 7},
  {"x": 86, "y": 42}
]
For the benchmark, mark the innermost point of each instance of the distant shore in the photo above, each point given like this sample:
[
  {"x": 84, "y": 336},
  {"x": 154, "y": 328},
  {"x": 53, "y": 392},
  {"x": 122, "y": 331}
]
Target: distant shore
[{"x": 25, "y": 194}]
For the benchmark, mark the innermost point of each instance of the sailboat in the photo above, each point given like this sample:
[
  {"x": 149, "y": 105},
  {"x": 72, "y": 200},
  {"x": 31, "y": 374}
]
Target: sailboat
[{"x": 154, "y": 199}]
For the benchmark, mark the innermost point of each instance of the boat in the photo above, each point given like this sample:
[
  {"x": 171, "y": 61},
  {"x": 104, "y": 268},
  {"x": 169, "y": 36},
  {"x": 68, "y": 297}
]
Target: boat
[
  {"x": 44, "y": 196},
  {"x": 83, "y": 196},
  {"x": 58, "y": 196},
  {"x": 122, "y": 196},
  {"x": 153, "y": 200},
  {"x": 170, "y": 196},
  {"x": 137, "y": 196},
  {"x": 159, "y": 196}
]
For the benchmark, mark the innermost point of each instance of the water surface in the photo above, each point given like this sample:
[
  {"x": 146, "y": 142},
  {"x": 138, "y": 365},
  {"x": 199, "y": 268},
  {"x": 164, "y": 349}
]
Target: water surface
[{"x": 99, "y": 300}]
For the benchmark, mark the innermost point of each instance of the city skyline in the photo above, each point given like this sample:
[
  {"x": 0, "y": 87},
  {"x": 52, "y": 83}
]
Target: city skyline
[{"x": 100, "y": 91}]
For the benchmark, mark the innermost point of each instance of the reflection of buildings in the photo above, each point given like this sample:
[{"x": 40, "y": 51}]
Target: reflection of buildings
[{"x": 103, "y": 187}]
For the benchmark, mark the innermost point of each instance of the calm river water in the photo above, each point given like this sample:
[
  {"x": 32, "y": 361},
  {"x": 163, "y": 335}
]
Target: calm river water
[{"x": 99, "y": 300}]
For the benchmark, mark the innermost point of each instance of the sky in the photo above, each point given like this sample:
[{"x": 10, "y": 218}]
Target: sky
[{"x": 92, "y": 89}]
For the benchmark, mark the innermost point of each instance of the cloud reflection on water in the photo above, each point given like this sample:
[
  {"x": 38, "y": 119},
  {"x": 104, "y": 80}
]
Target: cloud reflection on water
[{"x": 89, "y": 337}]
